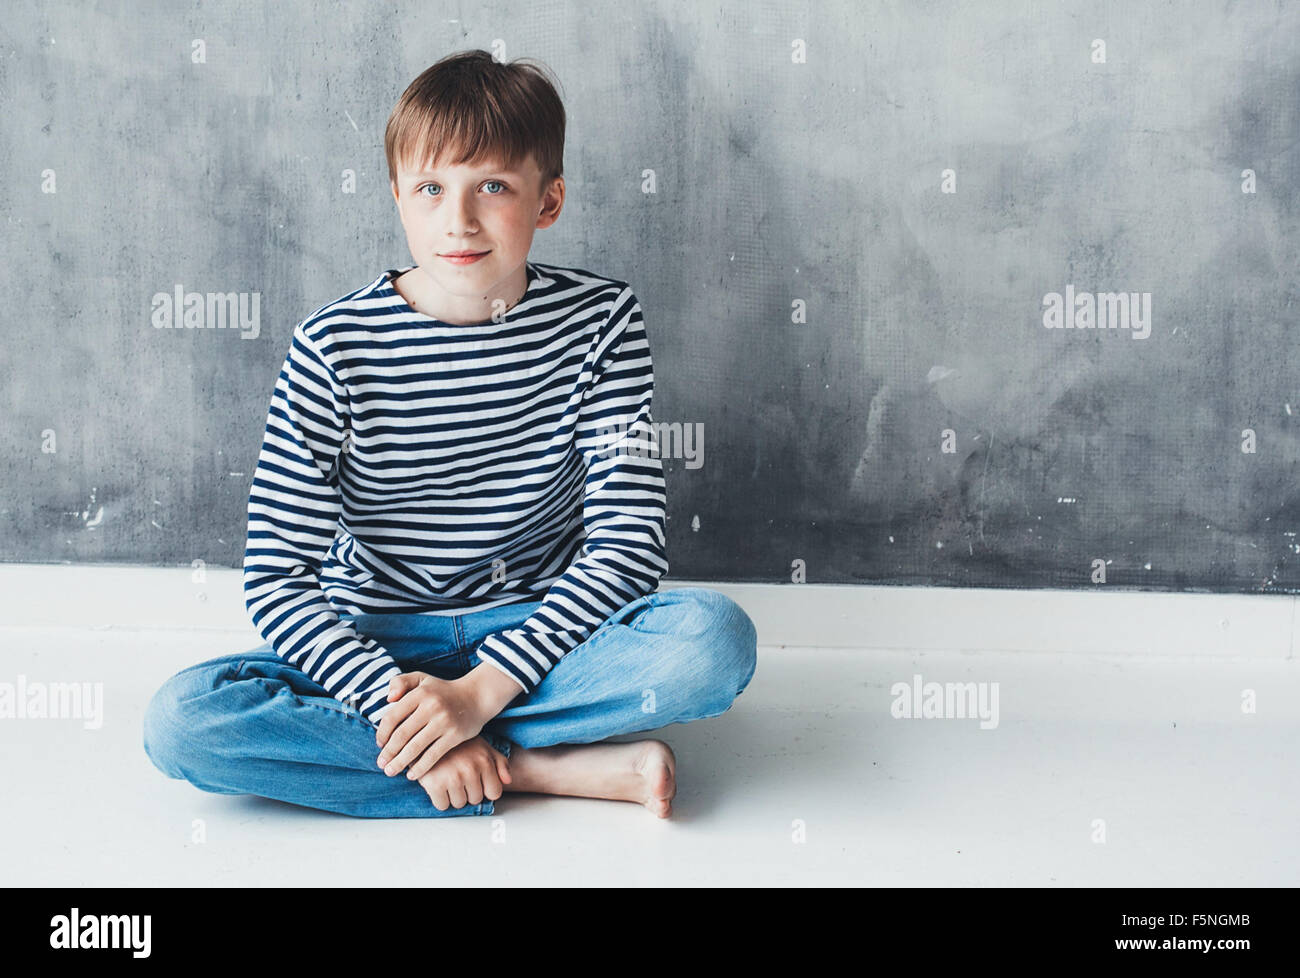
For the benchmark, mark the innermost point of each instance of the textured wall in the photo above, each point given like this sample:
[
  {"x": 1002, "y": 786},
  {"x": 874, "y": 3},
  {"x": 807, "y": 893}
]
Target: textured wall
[{"x": 910, "y": 178}]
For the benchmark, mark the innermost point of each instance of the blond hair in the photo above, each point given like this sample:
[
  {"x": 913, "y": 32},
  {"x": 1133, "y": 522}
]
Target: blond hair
[{"x": 482, "y": 109}]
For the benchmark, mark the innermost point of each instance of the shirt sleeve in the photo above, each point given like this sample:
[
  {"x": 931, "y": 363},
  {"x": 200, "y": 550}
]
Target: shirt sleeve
[
  {"x": 623, "y": 556},
  {"x": 293, "y": 512}
]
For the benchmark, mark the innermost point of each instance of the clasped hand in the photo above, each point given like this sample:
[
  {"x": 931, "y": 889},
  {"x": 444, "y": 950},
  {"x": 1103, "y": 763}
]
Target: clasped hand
[{"x": 428, "y": 718}]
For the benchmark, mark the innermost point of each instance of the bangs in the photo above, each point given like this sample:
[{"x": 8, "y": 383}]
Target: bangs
[{"x": 470, "y": 109}]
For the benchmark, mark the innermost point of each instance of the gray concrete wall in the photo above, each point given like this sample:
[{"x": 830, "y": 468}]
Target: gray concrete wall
[{"x": 912, "y": 178}]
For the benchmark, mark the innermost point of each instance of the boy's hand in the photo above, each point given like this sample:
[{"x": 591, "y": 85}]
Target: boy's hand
[
  {"x": 466, "y": 775},
  {"x": 429, "y": 718}
]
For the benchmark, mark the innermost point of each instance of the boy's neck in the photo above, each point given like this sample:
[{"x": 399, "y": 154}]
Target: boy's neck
[{"x": 421, "y": 295}]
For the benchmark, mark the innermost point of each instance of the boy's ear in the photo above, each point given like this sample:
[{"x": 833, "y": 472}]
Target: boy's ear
[{"x": 393, "y": 185}]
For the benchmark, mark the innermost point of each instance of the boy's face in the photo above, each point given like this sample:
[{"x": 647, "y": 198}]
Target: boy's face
[{"x": 483, "y": 208}]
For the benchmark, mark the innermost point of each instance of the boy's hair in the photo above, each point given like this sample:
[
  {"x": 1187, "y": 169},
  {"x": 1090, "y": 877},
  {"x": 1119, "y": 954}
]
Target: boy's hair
[{"x": 484, "y": 109}]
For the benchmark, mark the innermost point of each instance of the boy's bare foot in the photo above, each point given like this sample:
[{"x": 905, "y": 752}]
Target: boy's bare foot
[{"x": 644, "y": 771}]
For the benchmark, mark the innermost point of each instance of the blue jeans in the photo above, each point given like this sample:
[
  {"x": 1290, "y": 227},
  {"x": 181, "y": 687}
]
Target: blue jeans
[{"x": 251, "y": 723}]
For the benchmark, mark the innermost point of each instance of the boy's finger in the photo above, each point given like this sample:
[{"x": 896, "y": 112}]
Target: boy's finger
[
  {"x": 392, "y": 718},
  {"x": 457, "y": 795},
  {"x": 415, "y": 736},
  {"x": 491, "y": 784},
  {"x": 422, "y": 766},
  {"x": 398, "y": 737},
  {"x": 474, "y": 790},
  {"x": 431, "y": 753},
  {"x": 399, "y": 685},
  {"x": 503, "y": 768}
]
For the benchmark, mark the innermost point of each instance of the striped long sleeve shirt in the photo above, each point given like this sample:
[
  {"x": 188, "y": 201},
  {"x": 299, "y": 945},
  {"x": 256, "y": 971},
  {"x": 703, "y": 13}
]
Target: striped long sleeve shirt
[{"x": 414, "y": 466}]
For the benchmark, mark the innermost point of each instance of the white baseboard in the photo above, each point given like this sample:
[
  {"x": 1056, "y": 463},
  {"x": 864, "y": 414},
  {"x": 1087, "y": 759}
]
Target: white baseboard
[
  {"x": 831, "y": 615},
  {"x": 1006, "y": 620}
]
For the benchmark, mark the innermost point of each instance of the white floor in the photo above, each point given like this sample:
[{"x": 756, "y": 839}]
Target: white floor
[{"x": 1135, "y": 766}]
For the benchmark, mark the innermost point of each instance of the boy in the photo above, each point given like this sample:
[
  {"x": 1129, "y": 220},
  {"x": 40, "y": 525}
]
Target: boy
[{"x": 456, "y": 526}]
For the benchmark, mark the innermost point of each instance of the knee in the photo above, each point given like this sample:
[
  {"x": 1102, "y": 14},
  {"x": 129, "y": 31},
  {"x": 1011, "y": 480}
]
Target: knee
[
  {"x": 723, "y": 647},
  {"x": 164, "y": 725}
]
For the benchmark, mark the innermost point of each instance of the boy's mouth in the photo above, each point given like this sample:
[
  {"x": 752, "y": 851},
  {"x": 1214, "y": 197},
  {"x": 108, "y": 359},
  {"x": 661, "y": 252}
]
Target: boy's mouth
[{"x": 462, "y": 257}]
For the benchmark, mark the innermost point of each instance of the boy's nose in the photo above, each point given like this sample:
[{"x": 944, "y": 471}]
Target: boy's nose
[{"x": 460, "y": 217}]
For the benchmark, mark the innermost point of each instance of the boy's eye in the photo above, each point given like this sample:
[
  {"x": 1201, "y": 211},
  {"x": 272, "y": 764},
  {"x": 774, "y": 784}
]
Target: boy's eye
[{"x": 489, "y": 183}]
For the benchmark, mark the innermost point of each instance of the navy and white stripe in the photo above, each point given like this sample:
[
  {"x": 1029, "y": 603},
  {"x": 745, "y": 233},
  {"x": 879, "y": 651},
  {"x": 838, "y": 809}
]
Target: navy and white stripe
[{"x": 416, "y": 466}]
